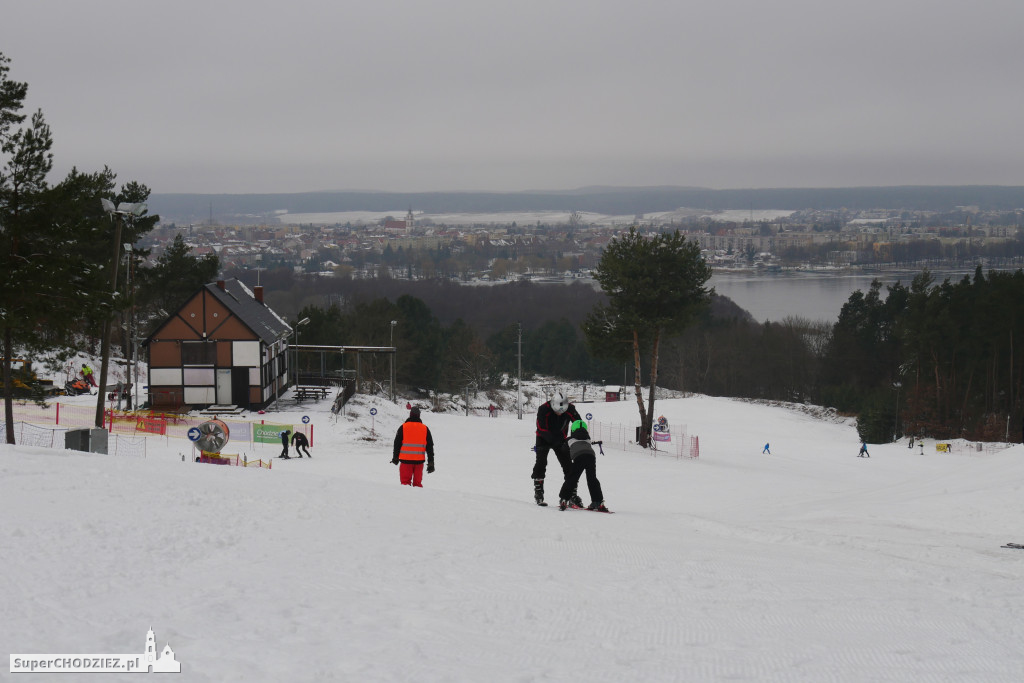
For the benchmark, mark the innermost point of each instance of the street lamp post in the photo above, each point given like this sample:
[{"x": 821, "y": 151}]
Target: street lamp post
[
  {"x": 295, "y": 354},
  {"x": 392, "y": 345},
  {"x": 519, "y": 375},
  {"x": 133, "y": 376},
  {"x": 896, "y": 422},
  {"x": 123, "y": 209}
]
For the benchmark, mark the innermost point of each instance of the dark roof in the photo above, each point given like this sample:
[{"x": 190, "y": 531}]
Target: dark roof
[{"x": 258, "y": 317}]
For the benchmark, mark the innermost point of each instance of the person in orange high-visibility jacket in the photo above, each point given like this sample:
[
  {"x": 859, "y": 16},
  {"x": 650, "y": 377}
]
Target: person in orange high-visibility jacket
[{"x": 414, "y": 445}]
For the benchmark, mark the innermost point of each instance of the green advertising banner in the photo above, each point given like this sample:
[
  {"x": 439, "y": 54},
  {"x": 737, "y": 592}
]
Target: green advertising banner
[{"x": 268, "y": 433}]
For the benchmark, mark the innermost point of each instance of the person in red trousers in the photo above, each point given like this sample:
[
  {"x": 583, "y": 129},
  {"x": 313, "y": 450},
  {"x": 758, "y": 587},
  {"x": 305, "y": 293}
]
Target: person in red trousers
[{"x": 414, "y": 446}]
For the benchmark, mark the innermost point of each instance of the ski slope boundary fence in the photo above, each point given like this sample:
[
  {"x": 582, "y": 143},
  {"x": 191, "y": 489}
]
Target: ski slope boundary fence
[
  {"x": 127, "y": 445},
  {"x": 27, "y": 434},
  {"x": 622, "y": 437},
  {"x": 141, "y": 423}
]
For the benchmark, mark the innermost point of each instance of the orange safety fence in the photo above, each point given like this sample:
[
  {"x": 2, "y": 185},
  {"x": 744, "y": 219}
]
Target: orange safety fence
[
  {"x": 257, "y": 463},
  {"x": 122, "y": 422}
]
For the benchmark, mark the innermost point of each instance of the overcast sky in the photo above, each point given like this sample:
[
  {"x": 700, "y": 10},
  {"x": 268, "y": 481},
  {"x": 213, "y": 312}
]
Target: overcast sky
[{"x": 406, "y": 95}]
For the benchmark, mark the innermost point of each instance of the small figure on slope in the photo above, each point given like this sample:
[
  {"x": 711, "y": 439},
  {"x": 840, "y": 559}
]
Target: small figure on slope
[
  {"x": 766, "y": 450},
  {"x": 863, "y": 451},
  {"x": 583, "y": 459}
]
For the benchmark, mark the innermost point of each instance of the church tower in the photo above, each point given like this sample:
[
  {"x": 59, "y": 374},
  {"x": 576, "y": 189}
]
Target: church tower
[
  {"x": 408, "y": 221},
  {"x": 150, "y": 655}
]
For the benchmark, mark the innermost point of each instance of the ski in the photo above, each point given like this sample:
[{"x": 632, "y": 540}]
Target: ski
[{"x": 1015, "y": 546}]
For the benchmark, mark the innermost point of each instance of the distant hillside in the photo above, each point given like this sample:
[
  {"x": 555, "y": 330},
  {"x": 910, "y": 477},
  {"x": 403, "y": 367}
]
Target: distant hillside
[{"x": 248, "y": 208}]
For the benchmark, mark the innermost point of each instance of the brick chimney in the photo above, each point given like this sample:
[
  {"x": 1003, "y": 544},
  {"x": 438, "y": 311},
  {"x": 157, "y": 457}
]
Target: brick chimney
[
  {"x": 257, "y": 292},
  {"x": 220, "y": 283}
]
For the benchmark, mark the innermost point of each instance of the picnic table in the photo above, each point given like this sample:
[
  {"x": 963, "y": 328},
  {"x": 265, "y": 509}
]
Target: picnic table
[{"x": 317, "y": 392}]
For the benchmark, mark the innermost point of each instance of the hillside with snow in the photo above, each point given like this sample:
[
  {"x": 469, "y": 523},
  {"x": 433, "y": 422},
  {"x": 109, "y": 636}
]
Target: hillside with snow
[{"x": 808, "y": 564}]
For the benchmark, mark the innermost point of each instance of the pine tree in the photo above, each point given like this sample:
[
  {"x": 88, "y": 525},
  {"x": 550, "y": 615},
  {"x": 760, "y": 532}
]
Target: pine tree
[
  {"x": 177, "y": 275},
  {"x": 655, "y": 286},
  {"x": 26, "y": 161}
]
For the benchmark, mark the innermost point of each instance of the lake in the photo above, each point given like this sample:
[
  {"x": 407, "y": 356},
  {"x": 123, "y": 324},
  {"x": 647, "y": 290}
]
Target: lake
[{"x": 807, "y": 294}]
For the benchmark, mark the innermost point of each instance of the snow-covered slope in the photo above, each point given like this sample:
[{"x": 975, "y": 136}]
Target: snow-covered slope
[{"x": 808, "y": 564}]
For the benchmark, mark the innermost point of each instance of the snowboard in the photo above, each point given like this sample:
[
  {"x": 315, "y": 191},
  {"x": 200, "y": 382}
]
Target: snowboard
[{"x": 607, "y": 512}]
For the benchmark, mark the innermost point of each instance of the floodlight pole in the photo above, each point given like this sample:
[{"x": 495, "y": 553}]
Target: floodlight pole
[
  {"x": 295, "y": 351},
  {"x": 519, "y": 375},
  {"x": 107, "y": 320},
  {"x": 132, "y": 399},
  {"x": 392, "y": 354},
  {"x": 118, "y": 216}
]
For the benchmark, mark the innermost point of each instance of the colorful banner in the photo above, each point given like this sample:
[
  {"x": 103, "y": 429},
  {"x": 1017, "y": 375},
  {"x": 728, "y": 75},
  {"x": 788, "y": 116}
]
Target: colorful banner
[
  {"x": 269, "y": 433},
  {"x": 662, "y": 436}
]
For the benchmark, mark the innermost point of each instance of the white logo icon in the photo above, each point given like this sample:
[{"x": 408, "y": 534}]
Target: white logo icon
[{"x": 150, "y": 661}]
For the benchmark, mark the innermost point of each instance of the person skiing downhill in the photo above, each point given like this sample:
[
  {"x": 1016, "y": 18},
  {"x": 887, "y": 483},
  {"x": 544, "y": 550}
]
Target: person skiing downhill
[
  {"x": 553, "y": 420},
  {"x": 863, "y": 451},
  {"x": 583, "y": 459}
]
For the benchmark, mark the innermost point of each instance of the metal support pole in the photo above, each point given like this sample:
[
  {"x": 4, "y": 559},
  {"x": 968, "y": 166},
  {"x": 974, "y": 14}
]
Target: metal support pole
[
  {"x": 107, "y": 320},
  {"x": 519, "y": 376}
]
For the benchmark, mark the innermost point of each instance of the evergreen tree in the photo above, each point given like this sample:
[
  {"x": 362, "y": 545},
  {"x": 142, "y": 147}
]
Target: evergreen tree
[
  {"x": 26, "y": 161},
  {"x": 655, "y": 286},
  {"x": 55, "y": 244},
  {"x": 177, "y": 275}
]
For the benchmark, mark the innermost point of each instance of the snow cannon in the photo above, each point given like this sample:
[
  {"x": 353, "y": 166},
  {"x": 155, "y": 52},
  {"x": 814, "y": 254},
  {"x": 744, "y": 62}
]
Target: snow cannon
[{"x": 213, "y": 436}]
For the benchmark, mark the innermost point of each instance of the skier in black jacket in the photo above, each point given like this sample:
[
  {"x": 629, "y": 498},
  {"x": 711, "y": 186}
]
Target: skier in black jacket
[{"x": 553, "y": 420}]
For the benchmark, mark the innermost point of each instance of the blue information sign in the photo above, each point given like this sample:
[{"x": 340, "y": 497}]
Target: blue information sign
[{"x": 193, "y": 434}]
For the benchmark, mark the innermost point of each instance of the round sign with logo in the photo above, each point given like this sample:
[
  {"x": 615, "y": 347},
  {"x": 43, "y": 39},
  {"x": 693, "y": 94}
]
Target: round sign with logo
[
  {"x": 305, "y": 419},
  {"x": 373, "y": 411},
  {"x": 590, "y": 416},
  {"x": 194, "y": 434}
]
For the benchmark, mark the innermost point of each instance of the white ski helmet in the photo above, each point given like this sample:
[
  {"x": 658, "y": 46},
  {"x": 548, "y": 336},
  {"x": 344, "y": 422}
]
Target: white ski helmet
[{"x": 559, "y": 403}]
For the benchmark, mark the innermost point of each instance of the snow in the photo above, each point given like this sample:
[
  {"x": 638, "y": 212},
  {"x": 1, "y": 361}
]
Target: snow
[{"x": 809, "y": 564}]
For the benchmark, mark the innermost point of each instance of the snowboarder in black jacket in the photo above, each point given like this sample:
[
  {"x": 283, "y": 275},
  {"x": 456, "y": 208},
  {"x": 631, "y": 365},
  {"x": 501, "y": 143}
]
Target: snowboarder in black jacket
[
  {"x": 553, "y": 420},
  {"x": 583, "y": 459}
]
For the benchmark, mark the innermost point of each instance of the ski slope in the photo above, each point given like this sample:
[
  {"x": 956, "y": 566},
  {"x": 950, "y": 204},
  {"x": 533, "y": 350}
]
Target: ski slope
[{"x": 809, "y": 564}]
